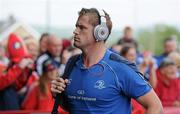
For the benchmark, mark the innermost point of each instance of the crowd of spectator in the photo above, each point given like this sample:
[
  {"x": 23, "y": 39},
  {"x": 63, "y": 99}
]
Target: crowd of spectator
[{"x": 27, "y": 67}]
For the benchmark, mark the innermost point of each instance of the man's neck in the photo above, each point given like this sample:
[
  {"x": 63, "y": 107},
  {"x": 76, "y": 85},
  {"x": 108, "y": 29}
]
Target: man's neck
[{"x": 93, "y": 55}]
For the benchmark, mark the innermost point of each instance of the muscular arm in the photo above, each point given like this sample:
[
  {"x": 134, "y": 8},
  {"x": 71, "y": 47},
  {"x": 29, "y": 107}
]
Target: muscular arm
[{"x": 151, "y": 102}]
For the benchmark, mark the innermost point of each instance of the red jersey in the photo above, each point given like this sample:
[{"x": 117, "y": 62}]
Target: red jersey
[
  {"x": 168, "y": 93},
  {"x": 10, "y": 77},
  {"x": 35, "y": 100}
]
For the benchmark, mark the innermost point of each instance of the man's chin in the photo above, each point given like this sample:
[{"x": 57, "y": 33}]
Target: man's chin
[{"x": 76, "y": 45}]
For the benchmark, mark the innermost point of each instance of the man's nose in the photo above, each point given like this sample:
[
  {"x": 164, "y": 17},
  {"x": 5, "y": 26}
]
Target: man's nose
[{"x": 75, "y": 31}]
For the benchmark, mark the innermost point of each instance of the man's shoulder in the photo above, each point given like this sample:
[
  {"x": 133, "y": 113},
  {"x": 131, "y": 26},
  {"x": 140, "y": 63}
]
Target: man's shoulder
[
  {"x": 43, "y": 57},
  {"x": 116, "y": 61},
  {"x": 119, "y": 63}
]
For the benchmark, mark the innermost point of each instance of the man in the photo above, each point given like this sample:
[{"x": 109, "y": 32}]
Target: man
[
  {"x": 98, "y": 84},
  {"x": 54, "y": 48},
  {"x": 167, "y": 84},
  {"x": 128, "y": 38},
  {"x": 169, "y": 46},
  {"x": 18, "y": 73}
]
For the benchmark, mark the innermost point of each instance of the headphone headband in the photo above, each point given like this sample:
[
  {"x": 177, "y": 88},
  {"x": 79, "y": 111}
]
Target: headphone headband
[{"x": 102, "y": 16}]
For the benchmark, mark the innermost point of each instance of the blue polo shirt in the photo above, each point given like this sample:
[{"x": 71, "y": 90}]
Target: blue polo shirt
[{"x": 105, "y": 88}]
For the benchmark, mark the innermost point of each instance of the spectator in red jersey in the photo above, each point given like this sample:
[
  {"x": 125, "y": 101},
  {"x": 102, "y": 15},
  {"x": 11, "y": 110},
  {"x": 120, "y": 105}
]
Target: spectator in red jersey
[
  {"x": 39, "y": 96},
  {"x": 18, "y": 73},
  {"x": 13, "y": 73},
  {"x": 167, "y": 84}
]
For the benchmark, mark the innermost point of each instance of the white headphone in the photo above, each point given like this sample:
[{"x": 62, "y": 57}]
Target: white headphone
[{"x": 101, "y": 31}]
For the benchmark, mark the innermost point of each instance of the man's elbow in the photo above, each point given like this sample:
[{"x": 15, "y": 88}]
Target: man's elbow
[
  {"x": 157, "y": 109},
  {"x": 158, "y": 106},
  {"x": 151, "y": 102}
]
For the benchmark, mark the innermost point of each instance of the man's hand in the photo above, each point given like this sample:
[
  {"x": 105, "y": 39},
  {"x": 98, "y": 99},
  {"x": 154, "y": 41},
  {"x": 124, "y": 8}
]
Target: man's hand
[{"x": 58, "y": 85}]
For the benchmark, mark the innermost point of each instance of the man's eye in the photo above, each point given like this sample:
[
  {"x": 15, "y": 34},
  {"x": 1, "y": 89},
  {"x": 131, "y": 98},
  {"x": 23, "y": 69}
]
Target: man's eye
[{"x": 81, "y": 27}]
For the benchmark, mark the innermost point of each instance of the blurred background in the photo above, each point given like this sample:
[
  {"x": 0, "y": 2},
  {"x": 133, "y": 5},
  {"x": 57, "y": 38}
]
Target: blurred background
[{"x": 152, "y": 20}]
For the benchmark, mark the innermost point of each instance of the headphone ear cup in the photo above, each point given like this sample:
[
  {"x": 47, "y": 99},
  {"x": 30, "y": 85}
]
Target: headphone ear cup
[{"x": 101, "y": 32}]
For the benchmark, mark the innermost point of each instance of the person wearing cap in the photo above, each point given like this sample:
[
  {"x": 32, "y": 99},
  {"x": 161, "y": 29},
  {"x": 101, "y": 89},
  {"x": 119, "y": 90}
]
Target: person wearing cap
[
  {"x": 18, "y": 51},
  {"x": 17, "y": 73},
  {"x": 39, "y": 96},
  {"x": 167, "y": 84},
  {"x": 19, "y": 59},
  {"x": 101, "y": 81},
  {"x": 13, "y": 73}
]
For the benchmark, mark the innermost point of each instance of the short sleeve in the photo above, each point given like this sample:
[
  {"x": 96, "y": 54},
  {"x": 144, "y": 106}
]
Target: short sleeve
[{"x": 133, "y": 84}]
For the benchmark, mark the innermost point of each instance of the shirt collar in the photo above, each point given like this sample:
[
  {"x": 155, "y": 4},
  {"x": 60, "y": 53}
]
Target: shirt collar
[{"x": 80, "y": 64}]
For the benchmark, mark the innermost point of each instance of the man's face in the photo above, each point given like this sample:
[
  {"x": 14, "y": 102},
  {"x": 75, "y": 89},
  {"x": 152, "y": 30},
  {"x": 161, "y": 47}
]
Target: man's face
[
  {"x": 128, "y": 34},
  {"x": 55, "y": 47},
  {"x": 83, "y": 34},
  {"x": 170, "y": 72},
  {"x": 170, "y": 46}
]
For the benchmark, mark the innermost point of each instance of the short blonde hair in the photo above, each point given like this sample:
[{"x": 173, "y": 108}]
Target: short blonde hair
[{"x": 95, "y": 17}]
